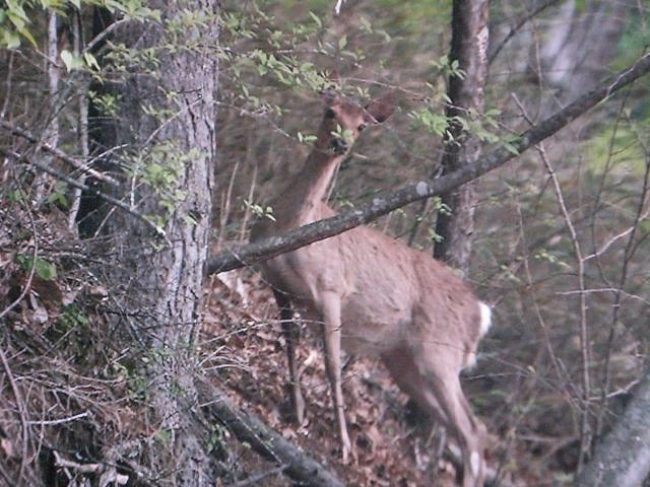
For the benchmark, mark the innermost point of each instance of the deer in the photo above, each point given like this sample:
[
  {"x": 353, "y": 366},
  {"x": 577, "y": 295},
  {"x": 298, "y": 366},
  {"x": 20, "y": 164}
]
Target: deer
[{"x": 372, "y": 295}]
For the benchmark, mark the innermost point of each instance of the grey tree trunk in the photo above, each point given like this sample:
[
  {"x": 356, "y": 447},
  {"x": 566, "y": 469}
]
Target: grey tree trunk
[
  {"x": 623, "y": 458},
  {"x": 564, "y": 46},
  {"x": 469, "y": 47},
  {"x": 581, "y": 41},
  {"x": 167, "y": 122}
]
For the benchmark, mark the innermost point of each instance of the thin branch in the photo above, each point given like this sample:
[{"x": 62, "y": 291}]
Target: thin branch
[
  {"x": 104, "y": 34},
  {"x": 58, "y": 153},
  {"x": 56, "y": 422},
  {"x": 627, "y": 256},
  {"x": 585, "y": 430},
  {"x": 543, "y": 5},
  {"x": 615, "y": 238},
  {"x": 532, "y": 289},
  {"x": 244, "y": 255},
  {"x": 608, "y": 290},
  {"x": 76, "y": 184},
  {"x": 585, "y": 436}
]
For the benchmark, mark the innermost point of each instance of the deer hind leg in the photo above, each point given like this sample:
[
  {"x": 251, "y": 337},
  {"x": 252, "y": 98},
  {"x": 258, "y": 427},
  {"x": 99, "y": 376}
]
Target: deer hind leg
[
  {"x": 331, "y": 313},
  {"x": 445, "y": 393},
  {"x": 291, "y": 333},
  {"x": 426, "y": 376}
]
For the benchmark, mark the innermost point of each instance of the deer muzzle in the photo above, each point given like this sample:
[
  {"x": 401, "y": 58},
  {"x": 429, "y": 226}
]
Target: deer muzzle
[{"x": 338, "y": 146}]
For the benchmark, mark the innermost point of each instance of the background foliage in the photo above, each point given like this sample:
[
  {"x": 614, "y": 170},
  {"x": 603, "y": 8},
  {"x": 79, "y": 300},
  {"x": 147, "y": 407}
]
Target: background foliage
[{"x": 561, "y": 243}]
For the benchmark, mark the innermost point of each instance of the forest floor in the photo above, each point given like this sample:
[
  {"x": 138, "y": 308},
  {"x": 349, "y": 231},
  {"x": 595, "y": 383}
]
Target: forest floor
[
  {"x": 242, "y": 337},
  {"x": 62, "y": 345}
]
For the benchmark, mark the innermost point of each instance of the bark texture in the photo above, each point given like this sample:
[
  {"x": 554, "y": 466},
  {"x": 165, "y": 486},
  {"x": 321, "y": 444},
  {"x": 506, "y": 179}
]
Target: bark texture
[
  {"x": 581, "y": 40},
  {"x": 167, "y": 123},
  {"x": 565, "y": 51},
  {"x": 623, "y": 458},
  {"x": 469, "y": 47}
]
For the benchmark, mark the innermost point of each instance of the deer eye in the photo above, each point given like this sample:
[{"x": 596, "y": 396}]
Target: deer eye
[
  {"x": 361, "y": 127},
  {"x": 330, "y": 113}
]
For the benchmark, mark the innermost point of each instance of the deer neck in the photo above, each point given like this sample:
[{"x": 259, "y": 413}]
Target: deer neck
[{"x": 305, "y": 199}]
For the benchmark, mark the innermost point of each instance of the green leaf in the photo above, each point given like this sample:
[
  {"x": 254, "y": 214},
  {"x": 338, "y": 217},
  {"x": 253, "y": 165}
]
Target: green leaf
[
  {"x": 28, "y": 35},
  {"x": 366, "y": 26},
  {"x": 66, "y": 57},
  {"x": 316, "y": 19},
  {"x": 91, "y": 61},
  {"x": 10, "y": 39},
  {"x": 45, "y": 270}
]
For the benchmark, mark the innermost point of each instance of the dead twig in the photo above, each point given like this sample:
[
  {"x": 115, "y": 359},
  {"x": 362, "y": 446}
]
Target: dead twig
[{"x": 58, "y": 153}]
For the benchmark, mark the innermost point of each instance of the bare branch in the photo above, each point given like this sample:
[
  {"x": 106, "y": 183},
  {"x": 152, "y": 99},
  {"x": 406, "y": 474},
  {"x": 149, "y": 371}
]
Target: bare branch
[
  {"x": 249, "y": 254},
  {"x": 58, "y": 153},
  {"x": 585, "y": 347},
  {"x": 249, "y": 429},
  {"x": 537, "y": 9},
  {"x": 76, "y": 184}
]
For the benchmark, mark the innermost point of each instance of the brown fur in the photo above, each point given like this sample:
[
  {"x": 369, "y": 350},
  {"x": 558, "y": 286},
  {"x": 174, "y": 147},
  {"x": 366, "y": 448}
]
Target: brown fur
[{"x": 374, "y": 295}]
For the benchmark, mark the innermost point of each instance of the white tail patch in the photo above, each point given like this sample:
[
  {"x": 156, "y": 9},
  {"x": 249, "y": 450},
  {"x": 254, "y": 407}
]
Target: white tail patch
[
  {"x": 475, "y": 462},
  {"x": 486, "y": 318},
  {"x": 486, "y": 322},
  {"x": 470, "y": 361}
]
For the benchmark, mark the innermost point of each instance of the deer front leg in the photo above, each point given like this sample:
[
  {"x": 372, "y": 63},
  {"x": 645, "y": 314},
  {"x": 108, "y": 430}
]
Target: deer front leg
[
  {"x": 291, "y": 333},
  {"x": 331, "y": 311}
]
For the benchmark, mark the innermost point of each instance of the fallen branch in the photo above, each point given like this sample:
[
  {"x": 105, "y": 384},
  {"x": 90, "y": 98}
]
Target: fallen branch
[
  {"x": 245, "y": 255},
  {"x": 109, "y": 474},
  {"x": 265, "y": 441}
]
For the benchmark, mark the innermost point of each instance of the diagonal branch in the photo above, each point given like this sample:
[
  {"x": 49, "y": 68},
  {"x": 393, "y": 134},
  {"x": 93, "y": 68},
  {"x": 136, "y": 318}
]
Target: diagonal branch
[
  {"x": 523, "y": 20},
  {"x": 90, "y": 190},
  {"x": 249, "y": 254},
  {"x": 248, "y": 428},
  {"x": 77, "y": 164}
]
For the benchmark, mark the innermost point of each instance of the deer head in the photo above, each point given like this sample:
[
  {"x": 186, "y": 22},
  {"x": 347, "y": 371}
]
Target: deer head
[{"x": 344, "y": 121}]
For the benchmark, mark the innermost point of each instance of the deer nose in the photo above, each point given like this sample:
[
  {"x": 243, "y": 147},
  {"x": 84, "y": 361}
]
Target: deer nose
[{"x": 338, "y": 145}]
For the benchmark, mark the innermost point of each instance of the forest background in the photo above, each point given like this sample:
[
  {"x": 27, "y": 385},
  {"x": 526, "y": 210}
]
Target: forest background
[{"x": 140, "y": 139}]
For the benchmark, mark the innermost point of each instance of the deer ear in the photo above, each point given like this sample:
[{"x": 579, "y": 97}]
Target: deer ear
[
  {"x": 330, "y": 97},
  {"x": 329, "y": 89},
  {"x": 383, "y": 107}
]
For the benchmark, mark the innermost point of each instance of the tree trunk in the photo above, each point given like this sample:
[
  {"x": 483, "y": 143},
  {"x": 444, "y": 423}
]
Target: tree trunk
[
  {"x": 623, "y": 458},
  {"x": 566, "y": 50},
  {"x": 469, "y": 47},
  {"x": 580, "y": 43},
  {"x": 167, "y": 121}
]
